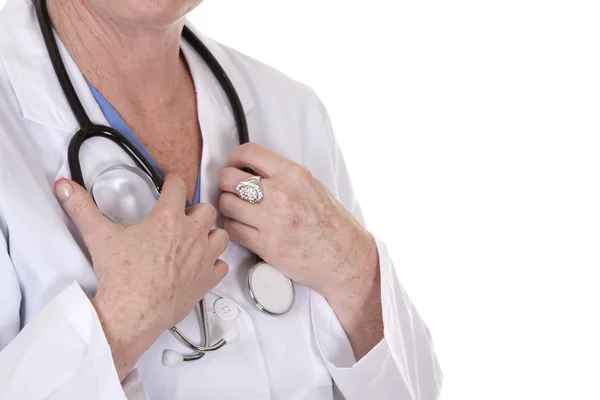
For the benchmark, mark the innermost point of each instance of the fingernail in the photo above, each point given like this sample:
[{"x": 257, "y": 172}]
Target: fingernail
[{"x": 63, "y": 189}]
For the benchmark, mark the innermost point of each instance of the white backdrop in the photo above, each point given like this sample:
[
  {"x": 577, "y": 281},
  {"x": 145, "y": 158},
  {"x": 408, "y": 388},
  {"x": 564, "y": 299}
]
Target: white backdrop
[{"x": 471, "y": 129}]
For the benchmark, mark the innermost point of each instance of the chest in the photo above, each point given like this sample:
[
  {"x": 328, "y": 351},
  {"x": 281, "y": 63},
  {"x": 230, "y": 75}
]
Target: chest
[
  {"x": 48, "y": 254},
  {"x": 172, "y": 138},
  {"x": 176, "y": 151}
]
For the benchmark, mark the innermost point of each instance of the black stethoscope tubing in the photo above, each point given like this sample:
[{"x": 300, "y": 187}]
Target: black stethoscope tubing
[{"x": 88, "y": 129}]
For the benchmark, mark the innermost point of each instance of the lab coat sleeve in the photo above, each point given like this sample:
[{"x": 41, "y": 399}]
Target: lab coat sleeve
[
  {"x": 403, "y": 365},
  {"x": 134, "y": 387},
  {"x": 61, "y": 353}
]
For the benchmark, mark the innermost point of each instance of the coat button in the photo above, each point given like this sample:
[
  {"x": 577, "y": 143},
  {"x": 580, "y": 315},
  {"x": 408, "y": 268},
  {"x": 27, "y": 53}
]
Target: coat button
[{"x": 226, "y": 309}]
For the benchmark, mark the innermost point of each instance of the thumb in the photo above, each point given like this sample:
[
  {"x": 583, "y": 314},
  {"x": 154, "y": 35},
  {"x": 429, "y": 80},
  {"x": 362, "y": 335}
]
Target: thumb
[{"x": 80, "y": 207}]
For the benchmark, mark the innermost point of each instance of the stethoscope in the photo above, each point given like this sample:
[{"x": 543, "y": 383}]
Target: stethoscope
[{"x": 271, "y": 291}]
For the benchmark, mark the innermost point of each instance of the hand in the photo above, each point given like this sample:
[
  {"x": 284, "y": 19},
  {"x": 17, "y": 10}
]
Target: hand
[
  {"x": 299, "y": 227},
  {"x": 150, "y": 275}
]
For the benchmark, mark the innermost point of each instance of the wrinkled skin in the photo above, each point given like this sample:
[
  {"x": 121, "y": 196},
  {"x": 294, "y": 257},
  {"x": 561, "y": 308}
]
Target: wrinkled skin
[
  {"x": 299, "y": 227},
  {"x": 149, "y": 275}
]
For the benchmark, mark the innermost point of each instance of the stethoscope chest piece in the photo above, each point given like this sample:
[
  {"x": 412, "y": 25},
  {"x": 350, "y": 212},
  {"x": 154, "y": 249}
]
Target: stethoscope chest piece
[
  {"x": 272, "y": 291},
  {"x": 124, "y": 194}
]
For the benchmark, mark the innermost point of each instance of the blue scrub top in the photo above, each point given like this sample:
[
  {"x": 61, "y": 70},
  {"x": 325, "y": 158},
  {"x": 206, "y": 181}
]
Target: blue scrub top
[{"x": 116, "y": 122}]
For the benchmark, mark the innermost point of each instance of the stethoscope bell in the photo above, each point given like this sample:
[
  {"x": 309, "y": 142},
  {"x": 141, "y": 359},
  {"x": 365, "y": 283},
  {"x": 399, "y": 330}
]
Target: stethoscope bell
[
  {"x": 124, "y": 194},
  {"x": 121, "y": 191},
  {"x": 272, "y": 291}
]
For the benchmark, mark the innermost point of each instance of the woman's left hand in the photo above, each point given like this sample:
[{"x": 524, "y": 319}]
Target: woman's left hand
[{"x": 299, "y": 227}]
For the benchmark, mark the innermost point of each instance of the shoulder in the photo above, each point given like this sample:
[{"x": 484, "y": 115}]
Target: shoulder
[
  {"x": 16, "y": 140},
  {"x": 268, "y": 86},
  {"x": 256, "y": 71},
  {"x": 289, "y": 118}
]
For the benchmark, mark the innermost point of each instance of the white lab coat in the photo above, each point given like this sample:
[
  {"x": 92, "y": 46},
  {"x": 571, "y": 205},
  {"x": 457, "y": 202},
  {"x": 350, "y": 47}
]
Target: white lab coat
[{"x": 53, "y": 346}]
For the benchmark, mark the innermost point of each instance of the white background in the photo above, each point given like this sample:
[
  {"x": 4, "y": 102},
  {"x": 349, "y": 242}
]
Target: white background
[{"x": 471, "y": 130}]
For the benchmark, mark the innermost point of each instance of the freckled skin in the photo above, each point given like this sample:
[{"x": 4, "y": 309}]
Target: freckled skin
[
  {"x": 152, "y": 274},
  {"x": 303, "y": 231},
  {"x": 176, "y": 145},
  {"x": 171, "y": 135},
  {"x": 129, "y": 50}
]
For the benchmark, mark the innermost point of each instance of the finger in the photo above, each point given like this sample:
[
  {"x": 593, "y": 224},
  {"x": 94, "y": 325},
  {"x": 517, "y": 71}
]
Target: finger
[
  {"x": 173, "y": 192},
  {"x": 218, "y": 240},
  {"x": 230, "y": 177},
  {"x": 80, "y": 207},
  {"x": 243, "y": 235},
  {"x": 259, "y": 159},
  {"x": 203, "y": 214},
  {"x": 221, "y": 270},
  {"x": 235, "y": 208}
]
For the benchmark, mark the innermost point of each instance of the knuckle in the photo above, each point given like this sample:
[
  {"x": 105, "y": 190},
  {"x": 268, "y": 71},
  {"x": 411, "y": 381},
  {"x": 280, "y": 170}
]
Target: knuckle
[
  {"x": 228, "y": 227},
  {"x": 79, "y": 207},
  {"x": 231, "y": 228},
  {"x": 225, "y": 235},
  {"x": 209, "y": 212},
  {"x": 176, "y": 178},
  {"x": 176, "y": 181},
  {"x": 223, "y": 202},
  {"x": 169, "y": 217},
  {"x": 218, "y": 235},
  {"x": 223, "y": 178},
  {"x": 301, "y": 172},
  {"x": 225, "y": 268},
  {"x": 248, "y": 147},
  {"x": 284, "y": 196},
  {"x": 221, "y": 270},
  {"x": 245, "y": 151}
]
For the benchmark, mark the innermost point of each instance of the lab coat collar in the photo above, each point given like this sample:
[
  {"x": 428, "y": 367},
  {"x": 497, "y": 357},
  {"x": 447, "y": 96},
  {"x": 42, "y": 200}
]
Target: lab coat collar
[{"x": 40, "y": 97}]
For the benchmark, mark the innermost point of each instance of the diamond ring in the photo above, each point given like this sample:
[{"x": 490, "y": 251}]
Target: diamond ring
[{"x": 250, "y": 190}]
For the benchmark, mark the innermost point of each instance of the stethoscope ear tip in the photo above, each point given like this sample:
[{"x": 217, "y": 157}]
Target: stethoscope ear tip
[{"x": 172, "y": 358}]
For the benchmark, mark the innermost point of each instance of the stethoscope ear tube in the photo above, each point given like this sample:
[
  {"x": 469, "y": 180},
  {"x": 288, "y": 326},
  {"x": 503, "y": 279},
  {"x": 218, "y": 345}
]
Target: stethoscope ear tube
[
  {"x": 41, "y": 9},
  {"x": 87, "y": 128},
  {"x": 90, "y": 130},
  {"x": 213, "y": 64},
  {"x": 116, "y": 137}
]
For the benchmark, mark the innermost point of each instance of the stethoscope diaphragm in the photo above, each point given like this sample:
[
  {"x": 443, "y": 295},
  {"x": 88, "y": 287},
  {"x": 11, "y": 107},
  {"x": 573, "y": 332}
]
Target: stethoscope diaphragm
[
  {"x": 121, "y": 192},
  {"x": 272, "y": 291},
  {"x": 124, "y": 194}
]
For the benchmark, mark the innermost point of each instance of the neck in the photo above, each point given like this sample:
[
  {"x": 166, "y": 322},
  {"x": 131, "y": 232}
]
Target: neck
[{"x": 116, "y": 56}]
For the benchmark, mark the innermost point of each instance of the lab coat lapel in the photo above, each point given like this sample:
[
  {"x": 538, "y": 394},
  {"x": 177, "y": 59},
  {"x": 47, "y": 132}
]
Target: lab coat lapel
[
  {"x": 232, "y": 71},
  {"x": 31, "y": 74},
  {"x": 219, "y": 136},
  {"x": 38, "y": 91},
  {"x": 39, "y": 94},
  {"x": 42, "y": 101}
]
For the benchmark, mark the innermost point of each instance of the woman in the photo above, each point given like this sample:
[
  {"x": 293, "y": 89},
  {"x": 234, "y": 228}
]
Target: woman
[{"x": 87, "y": 302}]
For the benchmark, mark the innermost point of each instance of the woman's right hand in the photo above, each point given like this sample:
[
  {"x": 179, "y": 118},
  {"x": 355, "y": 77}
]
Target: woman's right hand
[{"x": 150, "y": 275}]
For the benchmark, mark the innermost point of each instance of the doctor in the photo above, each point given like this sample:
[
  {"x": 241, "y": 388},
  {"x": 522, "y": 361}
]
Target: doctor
[{"x": 86, "y": 303}]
